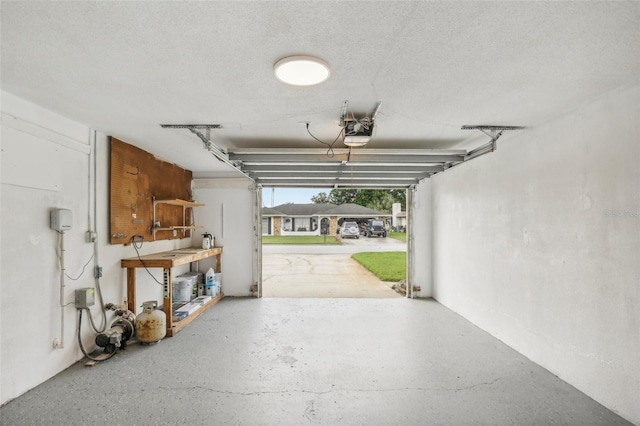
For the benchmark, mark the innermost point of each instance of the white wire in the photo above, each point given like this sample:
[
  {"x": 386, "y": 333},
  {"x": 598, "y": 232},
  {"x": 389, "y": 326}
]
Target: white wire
[{"x": 82, "y": 272}]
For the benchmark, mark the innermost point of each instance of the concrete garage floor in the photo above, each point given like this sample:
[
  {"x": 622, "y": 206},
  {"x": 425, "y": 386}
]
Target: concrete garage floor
[{"x": 288, "y": 361}]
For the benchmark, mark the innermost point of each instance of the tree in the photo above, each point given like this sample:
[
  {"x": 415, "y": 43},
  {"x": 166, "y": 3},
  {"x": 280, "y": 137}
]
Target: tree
[
  {"x": 376, "y": 199},
  {"x": 321, "y": 198}
]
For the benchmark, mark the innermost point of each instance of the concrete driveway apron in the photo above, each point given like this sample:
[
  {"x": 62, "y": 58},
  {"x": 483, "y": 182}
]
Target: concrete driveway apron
[{"x": 324, "y": 271}]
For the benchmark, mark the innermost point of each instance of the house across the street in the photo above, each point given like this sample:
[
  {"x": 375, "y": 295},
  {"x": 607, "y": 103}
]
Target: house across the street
[
  {"x": 399, "y": 218},
  {"x": 314, "y": 219}
]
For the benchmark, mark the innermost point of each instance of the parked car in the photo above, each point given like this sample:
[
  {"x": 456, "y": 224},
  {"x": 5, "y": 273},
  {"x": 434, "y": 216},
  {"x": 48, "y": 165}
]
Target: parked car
[
  {"x": 349, "y": 230},
  {"x": 375, "y": 227}
]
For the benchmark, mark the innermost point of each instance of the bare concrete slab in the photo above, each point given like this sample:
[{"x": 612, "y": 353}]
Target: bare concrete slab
[
  {"x": 319, "y": 275},
  {"x": 280, "y": 361}
]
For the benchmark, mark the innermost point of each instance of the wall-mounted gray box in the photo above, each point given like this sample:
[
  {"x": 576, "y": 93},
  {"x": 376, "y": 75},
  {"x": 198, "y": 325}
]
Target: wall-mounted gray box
[
  {"x": 60, "y": 220},
  {"x": 85, "y": 297}
]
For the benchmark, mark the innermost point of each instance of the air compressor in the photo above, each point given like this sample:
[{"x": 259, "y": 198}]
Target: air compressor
[{"x": 121, "y": 330}]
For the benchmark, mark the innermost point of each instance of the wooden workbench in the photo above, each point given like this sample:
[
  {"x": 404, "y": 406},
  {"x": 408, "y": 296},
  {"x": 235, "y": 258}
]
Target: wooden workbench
[{"x": 168, "y": 260}]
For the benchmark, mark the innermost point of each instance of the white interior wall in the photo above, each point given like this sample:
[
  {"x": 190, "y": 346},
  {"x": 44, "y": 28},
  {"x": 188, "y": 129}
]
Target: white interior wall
[
  {"x": 421, "y": 233},
  {"x": 46, "y": 163},
  {"x": 228, "y": 215},
  {"x": 538, "y": 243}
]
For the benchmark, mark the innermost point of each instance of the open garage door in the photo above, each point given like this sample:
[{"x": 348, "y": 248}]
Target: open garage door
[
  {"x": 341, "y": 168},
  {"x": 315, "y": 269},
  {"x": 347, "y": 168}
]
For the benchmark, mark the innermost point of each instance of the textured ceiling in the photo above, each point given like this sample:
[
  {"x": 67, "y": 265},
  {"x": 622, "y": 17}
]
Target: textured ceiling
[{"x": 124, "y": 68}]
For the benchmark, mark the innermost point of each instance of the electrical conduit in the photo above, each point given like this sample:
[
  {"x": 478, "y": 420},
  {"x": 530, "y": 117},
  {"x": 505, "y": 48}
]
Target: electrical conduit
[{"x": 59, "y": 344}]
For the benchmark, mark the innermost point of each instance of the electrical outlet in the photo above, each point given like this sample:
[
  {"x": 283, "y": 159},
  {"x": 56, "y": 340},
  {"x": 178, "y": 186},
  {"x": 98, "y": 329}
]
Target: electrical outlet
[
  {"x": 97, "y": 273},
  {"x": 91, "y": 236}
]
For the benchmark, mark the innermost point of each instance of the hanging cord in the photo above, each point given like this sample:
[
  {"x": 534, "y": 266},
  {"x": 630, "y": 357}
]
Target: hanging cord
[
  {"x": 135, "y": 246},
  {"x": 351, "y": 162},
  {"x": 330, "y": 152},
  {"x": 80, "y": 341},
  {"x": 81, "y": 273}
]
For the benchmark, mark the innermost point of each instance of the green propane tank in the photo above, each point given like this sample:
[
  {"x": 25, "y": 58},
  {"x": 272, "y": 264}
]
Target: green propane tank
[{"x": 151, "y": 324}]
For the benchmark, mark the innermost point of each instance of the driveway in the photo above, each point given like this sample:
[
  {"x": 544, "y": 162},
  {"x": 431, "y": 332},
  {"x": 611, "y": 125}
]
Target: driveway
[
  {"x": 349, "y": 246},
  {"x": 324, "y": 271}
]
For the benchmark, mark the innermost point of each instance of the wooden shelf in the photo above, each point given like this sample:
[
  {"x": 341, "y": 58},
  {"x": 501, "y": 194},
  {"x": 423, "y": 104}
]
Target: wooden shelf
[
  {"x": 168, "y": 260},
  {"x": 175, "y": 202},
  {"x": 179, "y": 325},
  {"x": 179, "y": 202},
  {"x": 171, "y": 228}
]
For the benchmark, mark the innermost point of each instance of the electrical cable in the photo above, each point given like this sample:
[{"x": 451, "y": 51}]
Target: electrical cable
[
  {"x": 330, "y": 152},
  {"x": 133, "y": 243},
  {"x": 94, "y": 227},
  {"x": 81, "y": 273},
  {"x": 364, "y": 122},
  {"x": 103, "y": 327},
  {"x": 80, "y": 341},
  {"x": 93, "y": 325}
]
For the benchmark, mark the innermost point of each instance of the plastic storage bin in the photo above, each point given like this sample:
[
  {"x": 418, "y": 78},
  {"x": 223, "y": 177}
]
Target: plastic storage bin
[{"x": 182, "y": 289}]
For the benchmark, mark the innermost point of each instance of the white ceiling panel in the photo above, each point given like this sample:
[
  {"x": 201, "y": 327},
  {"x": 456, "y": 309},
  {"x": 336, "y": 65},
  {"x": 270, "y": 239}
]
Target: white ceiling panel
[{"x": 124, "y": 68}]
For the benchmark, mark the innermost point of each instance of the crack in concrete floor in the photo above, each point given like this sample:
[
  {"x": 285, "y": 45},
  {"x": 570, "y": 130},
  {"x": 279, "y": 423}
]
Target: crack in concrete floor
[{"x": 354, "y": 390}]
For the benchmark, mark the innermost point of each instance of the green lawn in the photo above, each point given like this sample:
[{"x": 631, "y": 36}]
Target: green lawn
[
  {"x": 302, "y": 239},
  {"x": 402, "y": 236},
  {"x": 388, "y": 266}
]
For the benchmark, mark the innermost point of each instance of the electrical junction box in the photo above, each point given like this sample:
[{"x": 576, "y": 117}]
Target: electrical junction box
[
  {"x": 60, "y": 220},
  {"x": 362, "y": 127},
  {"x": 85, "y": 297}
]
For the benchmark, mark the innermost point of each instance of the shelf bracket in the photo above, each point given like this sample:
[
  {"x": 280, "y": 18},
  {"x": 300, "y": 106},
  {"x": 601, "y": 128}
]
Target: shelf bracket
[{"x": 182, "y": 228}]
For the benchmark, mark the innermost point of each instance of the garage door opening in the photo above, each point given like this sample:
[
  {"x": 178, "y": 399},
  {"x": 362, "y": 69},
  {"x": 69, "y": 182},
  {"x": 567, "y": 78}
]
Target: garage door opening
[{"x": 320, "y": 249}]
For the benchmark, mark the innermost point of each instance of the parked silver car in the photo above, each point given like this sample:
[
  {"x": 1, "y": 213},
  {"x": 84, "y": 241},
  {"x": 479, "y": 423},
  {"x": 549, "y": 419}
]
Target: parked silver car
[{"x": 350, "y": 230}]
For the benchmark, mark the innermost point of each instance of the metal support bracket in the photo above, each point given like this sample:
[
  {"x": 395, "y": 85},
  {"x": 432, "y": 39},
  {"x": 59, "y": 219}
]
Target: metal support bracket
[
  {"x": 215, "y": 150},
  {"x": 494, "y": 132},
  {"x": 218, "y": 152}
]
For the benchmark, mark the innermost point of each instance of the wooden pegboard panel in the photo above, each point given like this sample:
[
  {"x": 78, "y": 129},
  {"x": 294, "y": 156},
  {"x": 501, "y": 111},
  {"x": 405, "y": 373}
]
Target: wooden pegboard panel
[{"x": 136, "y": 178}]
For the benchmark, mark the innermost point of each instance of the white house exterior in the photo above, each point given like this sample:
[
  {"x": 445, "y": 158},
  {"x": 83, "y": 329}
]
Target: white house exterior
[
  {"x": 313, "y": 219},
  {"x": 398, "y": 217}
]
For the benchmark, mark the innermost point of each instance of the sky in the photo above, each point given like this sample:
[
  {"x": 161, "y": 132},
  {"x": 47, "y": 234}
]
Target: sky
[{"x": 290, "y": 195}]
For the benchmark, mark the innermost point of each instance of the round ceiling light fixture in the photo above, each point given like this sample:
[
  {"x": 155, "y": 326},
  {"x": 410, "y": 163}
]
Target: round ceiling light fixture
[{"x": 301, "y": 70}]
